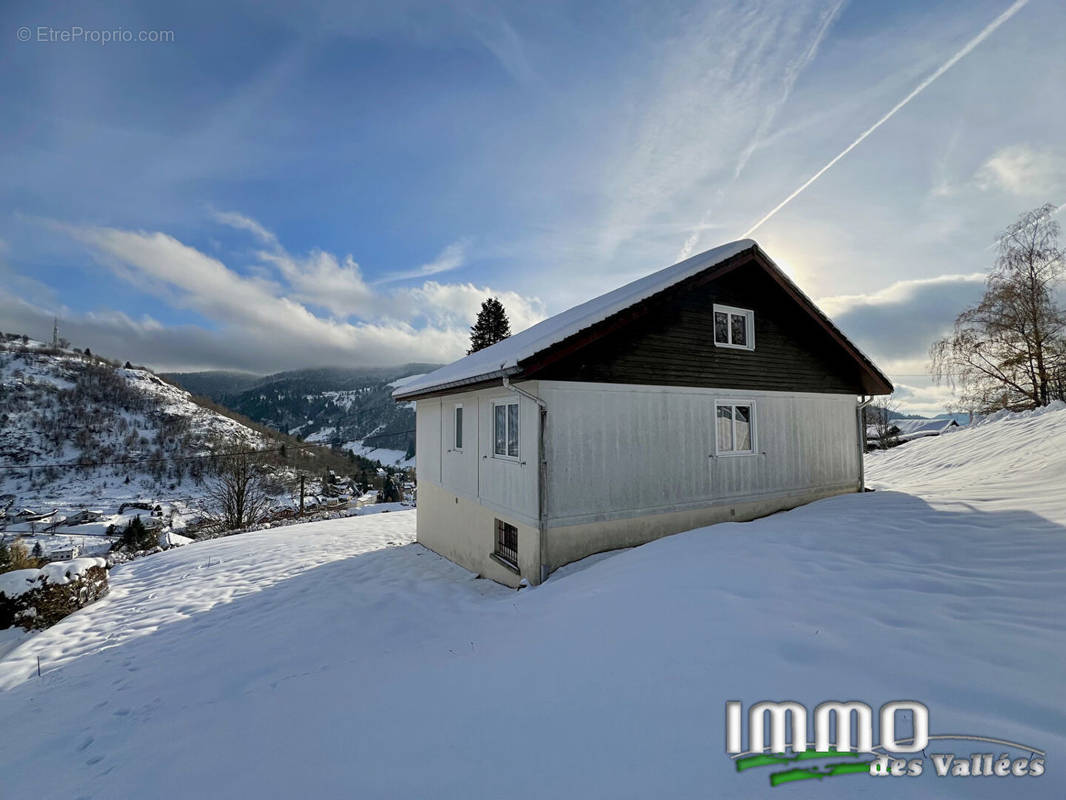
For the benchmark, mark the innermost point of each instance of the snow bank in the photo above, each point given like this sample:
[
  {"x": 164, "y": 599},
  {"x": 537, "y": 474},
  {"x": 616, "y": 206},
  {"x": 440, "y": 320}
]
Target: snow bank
[
  {"x": 1007, "y": 460},
  {"x": 1055, "y": 405},
  {"x": 37, "y": 598},
  {"x": 341, "y": 659},
  {"x": 18, "y": 582}
]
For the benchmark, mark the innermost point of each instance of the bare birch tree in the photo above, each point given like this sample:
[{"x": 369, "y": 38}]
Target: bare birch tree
[{"x": 1009, "y": 350}]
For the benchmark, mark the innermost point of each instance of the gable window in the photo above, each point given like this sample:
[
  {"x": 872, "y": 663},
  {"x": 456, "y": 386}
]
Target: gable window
[
  {"x": 505, "y": 429},
  {"x": 506, "y": 547},
  {"x": 459, "y": 428},
  {"x": 734, "y": 428},
  {"x": 734, "y": 327}
]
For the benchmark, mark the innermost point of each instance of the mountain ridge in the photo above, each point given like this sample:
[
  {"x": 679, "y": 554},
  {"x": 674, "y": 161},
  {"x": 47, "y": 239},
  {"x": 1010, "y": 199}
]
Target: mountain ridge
[{"x": 347, "y": 407}]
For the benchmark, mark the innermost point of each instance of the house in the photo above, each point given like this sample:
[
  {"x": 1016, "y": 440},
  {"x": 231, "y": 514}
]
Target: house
[
  {"x": 64, "y": 553},
  {"x": 82, "y": 517},
  {"x": 29, "y": 515},
  {"x": 904, "y": 430},
  {"x": 709, "y": 391}
]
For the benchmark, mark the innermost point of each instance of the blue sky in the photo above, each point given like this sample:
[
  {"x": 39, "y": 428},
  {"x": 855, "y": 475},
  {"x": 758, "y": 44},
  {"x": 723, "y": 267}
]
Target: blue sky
[{"x": 342, "y": 183}]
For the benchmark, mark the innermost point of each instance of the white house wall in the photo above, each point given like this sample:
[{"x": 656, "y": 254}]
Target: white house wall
[
  {"x": 462, "y": 492},
  {"x": 475, "y": 473},
  {"x": 626, "y": 464},
  {"x": 622, "y": 451}
]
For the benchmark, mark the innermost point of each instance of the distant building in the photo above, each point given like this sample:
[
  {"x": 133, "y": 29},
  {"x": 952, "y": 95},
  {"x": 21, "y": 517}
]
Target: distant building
[
  {"x": 82, "y": 517},
  {"x": 64, "y": 553},
  {"x": 904, "y": 430}
]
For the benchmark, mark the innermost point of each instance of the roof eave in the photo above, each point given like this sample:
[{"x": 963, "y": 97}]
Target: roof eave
[{"x": 447, "y": 388}]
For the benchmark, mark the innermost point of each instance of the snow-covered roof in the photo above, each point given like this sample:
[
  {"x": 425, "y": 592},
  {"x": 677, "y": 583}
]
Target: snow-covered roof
[
  {"x": 503, "y": 357},
  {"x": 912, "y": 428}
]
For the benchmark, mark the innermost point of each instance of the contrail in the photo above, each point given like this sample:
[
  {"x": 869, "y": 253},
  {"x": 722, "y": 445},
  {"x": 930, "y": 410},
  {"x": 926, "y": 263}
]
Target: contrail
[
  {"x": 1015, "y": 7},
  {"x": 792, "y": 73}
]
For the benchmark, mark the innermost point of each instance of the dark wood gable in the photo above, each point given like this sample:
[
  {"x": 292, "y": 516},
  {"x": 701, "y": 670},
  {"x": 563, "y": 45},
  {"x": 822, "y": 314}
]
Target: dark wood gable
[{"x": 669, "y": 340}]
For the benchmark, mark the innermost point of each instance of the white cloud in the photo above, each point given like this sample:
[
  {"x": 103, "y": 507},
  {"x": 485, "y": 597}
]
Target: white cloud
[
  {"x": 243, "y": 223},
  {"x": 1025, "y": 172},
  {"x": 896, "y": 325},
  {"x": 791, "y": 74},
  {"x": 320, "y": 279},
  {"x": 923, "y": 399},
  {"x": 451, "y": 257},
  {"x": 456, "y": 304},
  {"x": 268, "y": 324},
  {"x": 712, "y": 90}
]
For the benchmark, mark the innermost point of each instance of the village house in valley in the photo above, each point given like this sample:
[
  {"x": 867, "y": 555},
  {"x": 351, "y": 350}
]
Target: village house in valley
[{"x": 711, "y": 390}]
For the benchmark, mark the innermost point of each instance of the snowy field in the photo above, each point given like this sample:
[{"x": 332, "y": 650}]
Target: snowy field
[
  {"x": 339, "y": 659},
  {"x": 393, "y": 458}
]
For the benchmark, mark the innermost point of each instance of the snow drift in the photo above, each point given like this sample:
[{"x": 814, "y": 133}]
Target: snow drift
[{"x": 340, "y": 659}]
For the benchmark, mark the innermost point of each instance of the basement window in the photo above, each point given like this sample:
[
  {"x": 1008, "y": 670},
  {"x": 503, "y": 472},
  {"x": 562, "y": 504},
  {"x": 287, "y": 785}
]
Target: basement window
[
  {"x": 734, "y": 327},
  {"x": 505, "y": 429},
  {"x": 734, "y": 425},
  {"x": 459, "y": 428},
  {"x": 506, "y": 549}
]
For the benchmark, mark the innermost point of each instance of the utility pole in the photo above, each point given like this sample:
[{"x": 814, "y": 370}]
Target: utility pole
[
  {"x": 55, "y": 333},
  {"x": 301, "y": 494}
]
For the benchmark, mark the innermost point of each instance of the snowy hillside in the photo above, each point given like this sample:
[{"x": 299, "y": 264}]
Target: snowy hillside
[
  {"x": 347, "y": 407},
  {"x": 62, "y": 407},
  {"x": 341, "y": 659},
  {"x": 994, "y": 463}
]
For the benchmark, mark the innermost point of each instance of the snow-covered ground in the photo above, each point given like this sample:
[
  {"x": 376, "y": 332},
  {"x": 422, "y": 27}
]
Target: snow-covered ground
[
  {"x": 340, "y": 659},
  {"x": 145, "y": 435},
  {"x": 392, "y": 458}
]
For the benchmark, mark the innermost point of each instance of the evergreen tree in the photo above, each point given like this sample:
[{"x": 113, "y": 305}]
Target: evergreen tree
[
  {"x": 136, "y": 537},
  {"x": 390, "y": 492},
  {"x": 38, "y": 551},
  {"x": 491, "y": 325}
]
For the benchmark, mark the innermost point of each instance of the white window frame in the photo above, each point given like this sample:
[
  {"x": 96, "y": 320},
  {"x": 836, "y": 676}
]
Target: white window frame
[
  {"x": 754, "y": 427},
  {"x": 749, "y": 326},
  {"x": 507, "y": 402},
  {"x": 457, "y": 443}
]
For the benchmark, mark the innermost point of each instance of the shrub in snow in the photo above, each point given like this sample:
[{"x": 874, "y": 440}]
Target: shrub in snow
[
  {"x": 37, "y": 598},
  {"x": 16, "y": 557}
]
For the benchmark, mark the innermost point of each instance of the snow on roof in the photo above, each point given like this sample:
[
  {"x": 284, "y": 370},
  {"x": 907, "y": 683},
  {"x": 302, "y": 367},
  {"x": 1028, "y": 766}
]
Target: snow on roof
[
  {"x": 914, "y": 427},
  {"x": 910, "y": 426},
  {"x": 503, "y": 357},
  {"x": 396, "y": 384}
]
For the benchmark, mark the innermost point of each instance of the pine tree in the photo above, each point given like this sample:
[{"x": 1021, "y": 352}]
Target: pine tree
[
  {"x": 136, "y": 537},
  {"x": 390, "y": 492},
  {"x": 38, "y": 551},
  {"x": 491, "y": 325}
]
